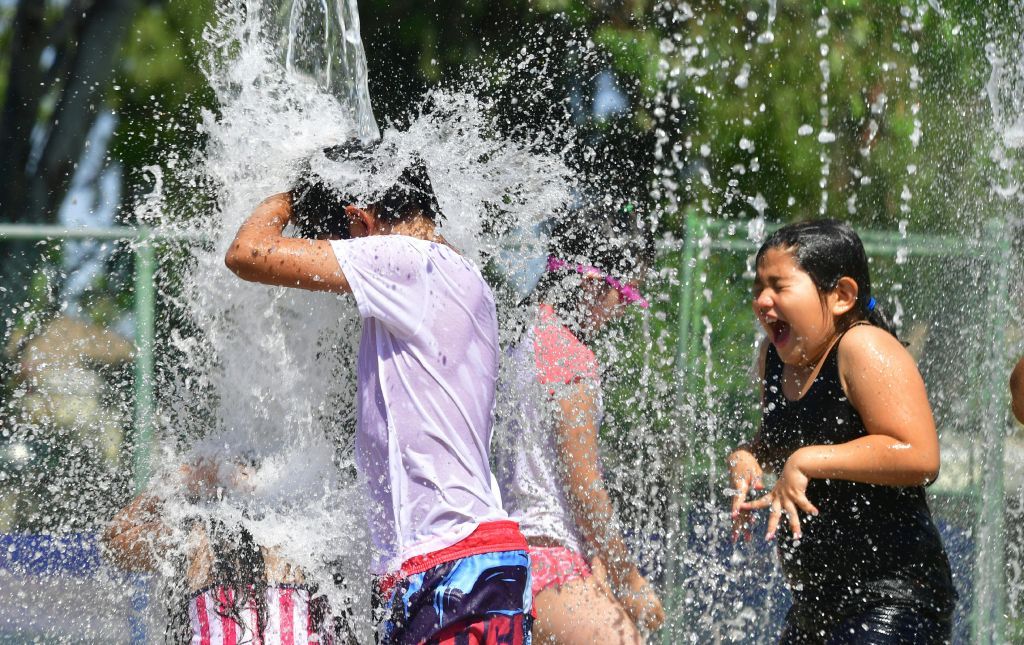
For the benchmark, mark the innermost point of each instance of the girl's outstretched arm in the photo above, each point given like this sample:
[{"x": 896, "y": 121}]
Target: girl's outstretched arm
[
  {"x": 592, "y": 508},
  {"x": 260, "y": 253}
]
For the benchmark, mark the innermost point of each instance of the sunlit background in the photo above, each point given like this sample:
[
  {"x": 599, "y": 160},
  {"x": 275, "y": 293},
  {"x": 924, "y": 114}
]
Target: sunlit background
[{"x": 135, "y": 133}]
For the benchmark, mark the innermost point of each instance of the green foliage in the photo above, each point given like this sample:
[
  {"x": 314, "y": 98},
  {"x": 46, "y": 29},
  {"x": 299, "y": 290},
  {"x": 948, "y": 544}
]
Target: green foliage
[
  {"x": 630, "y": 55},
  {"x": 879, "y": 89},
  {"x": 159, "y": 89}
]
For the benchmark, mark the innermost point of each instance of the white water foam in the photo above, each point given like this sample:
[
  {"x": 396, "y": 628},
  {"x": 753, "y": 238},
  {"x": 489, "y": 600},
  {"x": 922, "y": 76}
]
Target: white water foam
[{"x": 267, "y": 377}]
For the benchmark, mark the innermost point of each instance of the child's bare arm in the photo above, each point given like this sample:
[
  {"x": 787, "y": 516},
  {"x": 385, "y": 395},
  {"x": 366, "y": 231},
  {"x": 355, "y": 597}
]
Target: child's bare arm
[
  {"x": 260, "y": 253},
  {"x": 133, "y": 538},
  {"x": 1017, "y": 390},
  {"x": 885, "y": 387},
  {"x": 588, "y": 498},
  {"x": 592, "y": 507}
]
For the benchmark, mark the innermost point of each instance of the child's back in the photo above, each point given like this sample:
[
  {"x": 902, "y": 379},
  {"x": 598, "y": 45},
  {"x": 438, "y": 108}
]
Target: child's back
[{"x": 427, "y": 370}]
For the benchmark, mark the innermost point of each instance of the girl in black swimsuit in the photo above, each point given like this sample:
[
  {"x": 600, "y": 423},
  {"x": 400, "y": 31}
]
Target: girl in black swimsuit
[{"x": 847, "y": 428}]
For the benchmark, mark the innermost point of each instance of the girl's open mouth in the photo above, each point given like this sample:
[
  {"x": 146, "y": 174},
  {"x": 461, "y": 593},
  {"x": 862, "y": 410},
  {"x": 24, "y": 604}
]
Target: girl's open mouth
[{"x": 780, "y": 331}]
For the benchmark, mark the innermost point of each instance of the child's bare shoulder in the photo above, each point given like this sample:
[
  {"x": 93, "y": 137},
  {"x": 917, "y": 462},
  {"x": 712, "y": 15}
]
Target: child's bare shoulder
[{"x": 867, "y": 346}]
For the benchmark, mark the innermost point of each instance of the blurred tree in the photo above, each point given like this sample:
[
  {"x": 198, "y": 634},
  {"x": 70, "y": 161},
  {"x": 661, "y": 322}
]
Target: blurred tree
[
  {"x": 60, "y": 63},
  {"x": 67, "y": 62},
  {"x": 63, "y": 64},
  {"x": 553, "y": 68}
]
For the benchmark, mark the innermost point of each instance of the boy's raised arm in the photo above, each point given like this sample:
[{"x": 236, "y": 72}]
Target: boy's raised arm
[{"x": 260, "y": 253}]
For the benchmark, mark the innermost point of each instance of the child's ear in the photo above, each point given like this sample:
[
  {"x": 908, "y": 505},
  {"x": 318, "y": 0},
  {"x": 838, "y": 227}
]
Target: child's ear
[
  {"x": 361, "y": 216},
  {"x": 844, "y": 296}
]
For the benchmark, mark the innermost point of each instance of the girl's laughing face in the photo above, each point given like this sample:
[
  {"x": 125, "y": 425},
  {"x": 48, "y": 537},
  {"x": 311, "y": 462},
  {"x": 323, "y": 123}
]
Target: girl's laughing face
[{"x": 790, "y": 308}]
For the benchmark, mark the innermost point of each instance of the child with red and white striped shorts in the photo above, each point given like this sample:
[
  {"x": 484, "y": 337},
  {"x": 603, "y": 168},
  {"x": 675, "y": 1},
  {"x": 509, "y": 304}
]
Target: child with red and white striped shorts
[
  {"x": 237, "y": 591},
  {"x": 288, "y": 615}
]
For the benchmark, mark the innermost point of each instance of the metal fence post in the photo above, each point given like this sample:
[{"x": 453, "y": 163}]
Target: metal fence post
[
  {"x": 678, "y": 507},
  {"x": 145, "y": 330},
  {"x": 688, "y": 261},
  {"x": 989, "y": 598}
]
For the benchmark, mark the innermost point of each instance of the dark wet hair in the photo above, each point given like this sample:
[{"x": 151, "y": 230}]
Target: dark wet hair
[
  {"x": 237, "y": 563},
  {"x": 318, "y": 208},
  {"x": 412, "y": 195},
  {"x": 828, "y": 250},
  {"x": 615, "y": 237}
]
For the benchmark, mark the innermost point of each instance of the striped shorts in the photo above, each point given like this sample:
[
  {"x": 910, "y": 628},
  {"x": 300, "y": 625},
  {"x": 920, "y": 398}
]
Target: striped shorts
[{"x": 220, "y": 615}]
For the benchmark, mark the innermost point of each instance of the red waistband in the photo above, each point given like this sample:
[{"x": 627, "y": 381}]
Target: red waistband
[{"x": 489, "y": 537}]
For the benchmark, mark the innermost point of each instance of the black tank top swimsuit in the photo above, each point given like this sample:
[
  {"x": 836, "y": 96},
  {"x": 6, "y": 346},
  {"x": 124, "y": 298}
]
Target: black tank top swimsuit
[{"x": 870, "y": 545}]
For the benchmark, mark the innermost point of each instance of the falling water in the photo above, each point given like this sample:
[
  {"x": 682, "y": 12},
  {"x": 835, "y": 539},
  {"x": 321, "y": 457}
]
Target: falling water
[
  {"x": 260, "y": 376},
  {"x": 266, "y": 376},
  {"x": 710, "y": 58}
]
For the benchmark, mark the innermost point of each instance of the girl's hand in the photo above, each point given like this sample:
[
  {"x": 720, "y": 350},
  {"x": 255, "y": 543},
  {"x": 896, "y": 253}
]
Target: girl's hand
[
  {"x": 745, "y": 473},
  {"x": 642, "y": 603},
  {"x": 789, "y": 495}
]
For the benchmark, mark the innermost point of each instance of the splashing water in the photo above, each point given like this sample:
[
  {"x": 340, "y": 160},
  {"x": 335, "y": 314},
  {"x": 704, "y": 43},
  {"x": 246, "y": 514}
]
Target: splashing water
[
  {"x": 260, "y": 381},
  {"x": 268, "y": 378}
]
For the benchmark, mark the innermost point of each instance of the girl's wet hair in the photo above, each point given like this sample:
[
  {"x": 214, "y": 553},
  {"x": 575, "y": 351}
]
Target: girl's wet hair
[
  {"x": 614, "y": 237},
  {"x": 237, "y": 563},
  {"x": 828, "y": 250},
  {"x": 318, "y": 208}
]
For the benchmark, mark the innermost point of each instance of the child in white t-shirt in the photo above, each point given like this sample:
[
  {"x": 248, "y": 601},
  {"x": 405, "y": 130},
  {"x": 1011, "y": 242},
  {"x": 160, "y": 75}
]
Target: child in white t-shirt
[{"x": 427, "y": 369}]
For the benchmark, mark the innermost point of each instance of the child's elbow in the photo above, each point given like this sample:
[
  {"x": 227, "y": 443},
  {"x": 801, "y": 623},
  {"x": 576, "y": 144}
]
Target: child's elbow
[
  {"x": 930, "y": 475},
  {"x": 239, "y": 258},
  {"x": 1017, "y": 390},
  {"x": 109, "y": 539},
  {"x": 929, "y": 470},
  {"x": 116, "y": 547}
]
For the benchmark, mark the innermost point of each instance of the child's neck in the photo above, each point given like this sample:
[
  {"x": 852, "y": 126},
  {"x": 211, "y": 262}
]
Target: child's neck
[
  {"x": 420, "y": 228},
  {"x": 801, "y": 374}
]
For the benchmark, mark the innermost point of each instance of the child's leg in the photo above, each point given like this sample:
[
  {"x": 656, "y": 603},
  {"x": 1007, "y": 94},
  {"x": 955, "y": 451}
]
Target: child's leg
[{"x": 581, "y": 612}]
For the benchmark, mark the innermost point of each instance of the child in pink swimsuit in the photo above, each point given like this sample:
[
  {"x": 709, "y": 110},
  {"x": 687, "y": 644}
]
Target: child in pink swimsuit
[{"x": 550, "y": 411}]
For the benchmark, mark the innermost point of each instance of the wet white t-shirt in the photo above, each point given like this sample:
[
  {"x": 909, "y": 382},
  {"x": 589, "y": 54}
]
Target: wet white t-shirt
[
  {"x": 427, "y": 367},
  {"x": 546, "y": 362}
]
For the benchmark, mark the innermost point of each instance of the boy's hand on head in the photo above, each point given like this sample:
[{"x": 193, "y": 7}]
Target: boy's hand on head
[
  {"x": 788, "y": 496},
  {"x": 746, "y": 476},
  {"x": 261, "y": 253}
]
